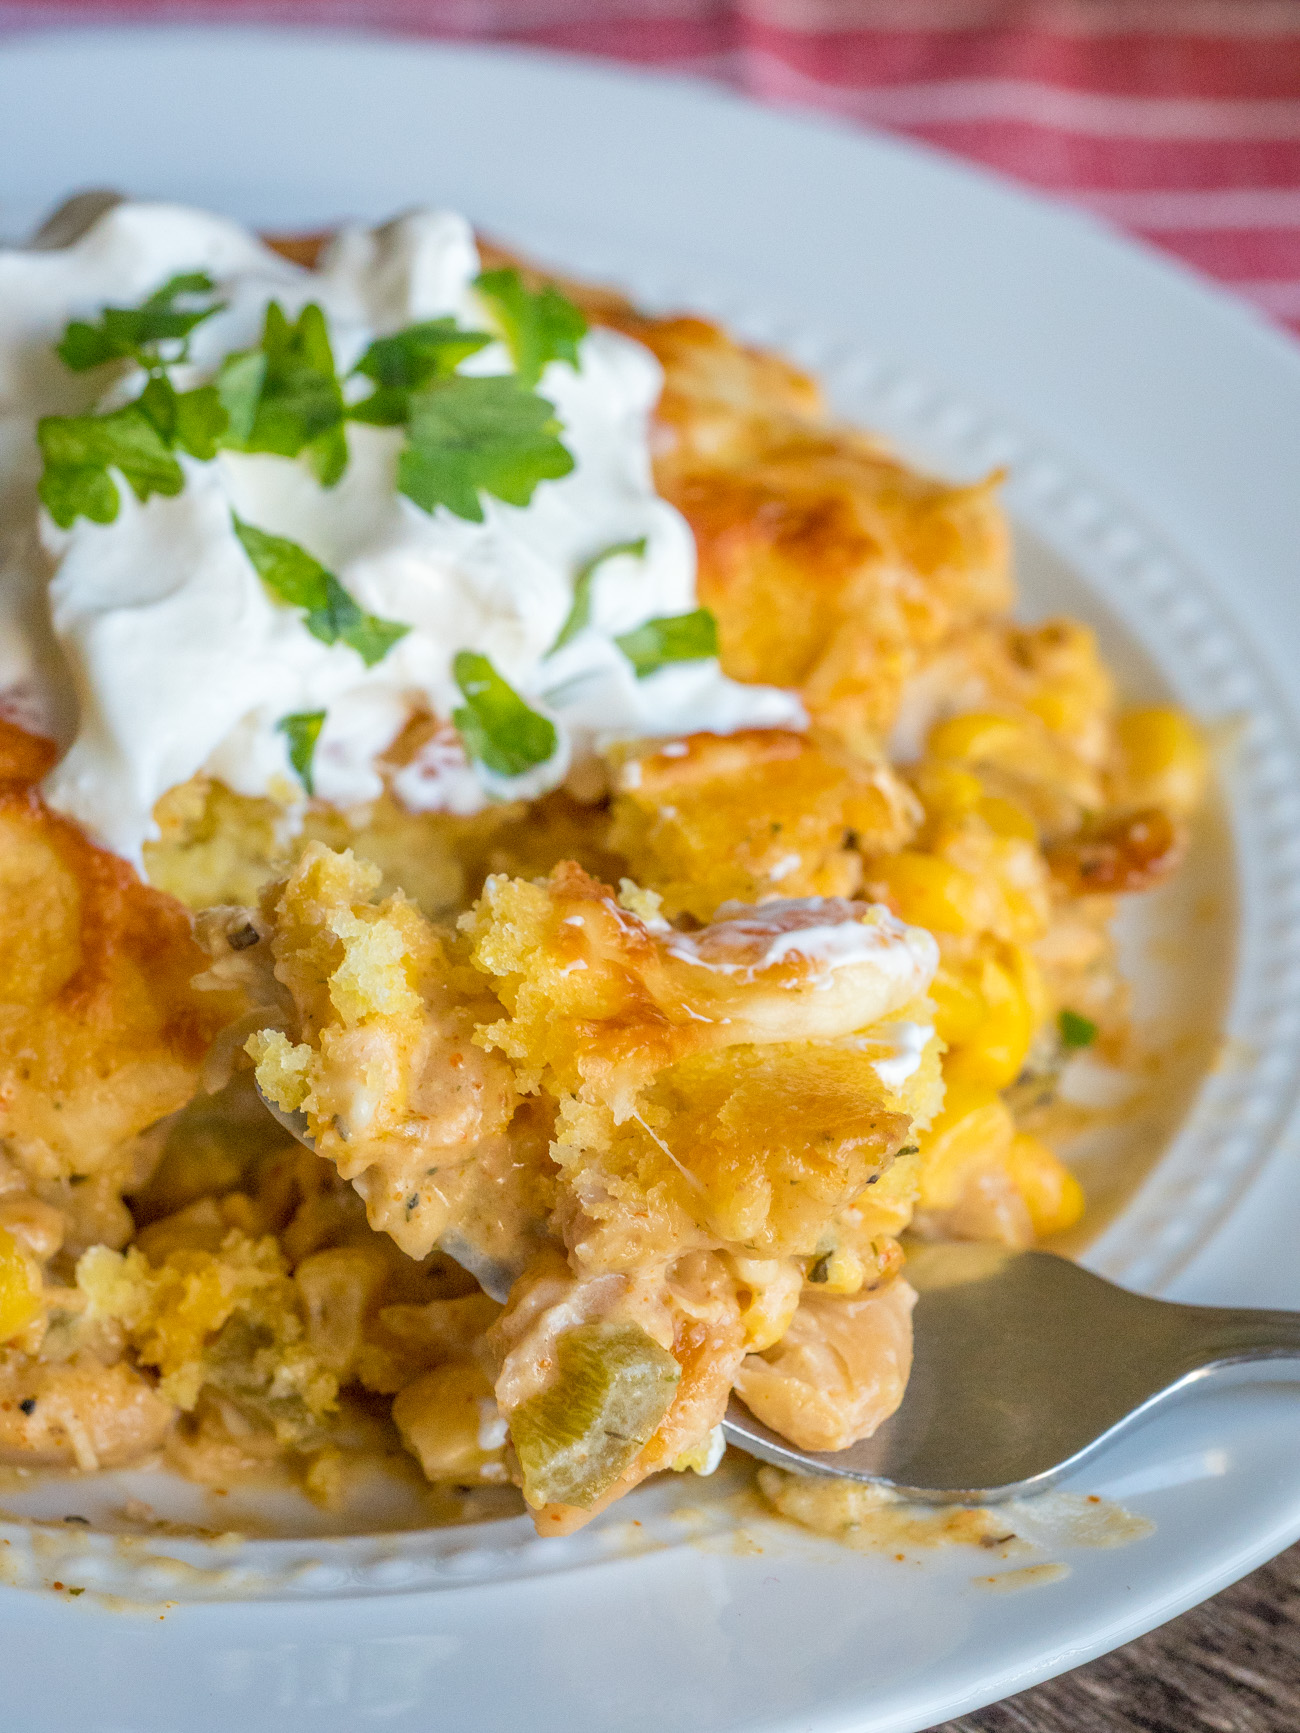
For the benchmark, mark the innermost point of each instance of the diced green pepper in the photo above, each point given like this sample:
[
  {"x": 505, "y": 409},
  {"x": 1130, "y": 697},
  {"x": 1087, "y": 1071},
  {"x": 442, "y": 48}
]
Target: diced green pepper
[{"x": 614, "y": 1385}]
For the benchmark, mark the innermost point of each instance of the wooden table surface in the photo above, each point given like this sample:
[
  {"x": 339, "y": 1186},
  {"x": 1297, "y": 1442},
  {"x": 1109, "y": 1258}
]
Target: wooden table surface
[{"x": 1230, "y": 1666}]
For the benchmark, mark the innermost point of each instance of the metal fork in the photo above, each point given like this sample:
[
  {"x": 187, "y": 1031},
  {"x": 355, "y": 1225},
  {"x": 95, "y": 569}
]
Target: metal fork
[{"x": 1024, "y": 1366}]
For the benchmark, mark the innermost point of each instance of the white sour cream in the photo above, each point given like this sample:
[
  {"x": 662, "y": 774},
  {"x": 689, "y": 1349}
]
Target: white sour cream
[
  {"x": 824, "y": 934},
  {"x": 152, "y": 645},
  {"x": 910, "y": 1041}
]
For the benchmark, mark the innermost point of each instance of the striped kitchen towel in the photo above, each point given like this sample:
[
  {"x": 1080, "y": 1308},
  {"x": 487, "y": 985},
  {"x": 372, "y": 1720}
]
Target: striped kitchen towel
[{"x": 1176, "y": 119}]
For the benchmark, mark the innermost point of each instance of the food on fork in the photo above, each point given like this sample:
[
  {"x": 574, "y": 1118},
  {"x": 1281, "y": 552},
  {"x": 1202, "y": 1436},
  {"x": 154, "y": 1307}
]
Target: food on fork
[
  {"x": 606, "y": 799},
  {"x": 713, "y": 1100}
]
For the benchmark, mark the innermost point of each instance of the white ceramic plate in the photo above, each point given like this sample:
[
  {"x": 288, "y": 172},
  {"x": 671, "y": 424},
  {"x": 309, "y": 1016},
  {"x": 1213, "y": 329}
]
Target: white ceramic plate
[{"x": 1152, "y": 429}]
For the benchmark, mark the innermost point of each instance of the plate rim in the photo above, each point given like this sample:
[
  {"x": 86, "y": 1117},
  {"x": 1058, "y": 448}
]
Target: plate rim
[{"x": 1247, "y": 321}]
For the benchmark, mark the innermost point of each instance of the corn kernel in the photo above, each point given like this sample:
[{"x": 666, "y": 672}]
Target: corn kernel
[
  {"x": 1163, "y": 759},
  {"x": 974, "y": 1128},
  {"x": 930, "y": 892},
  {"x": 1023, "y": 967},
  {"x": 1007, "y": 818},
  {"x": 1059, "y": 710},
  {"x": 20, "y": 1288},
  {"x": 987, "y": 1012},
  {"x": 995, "y": 1053},
  {"x": 768, "y": 1291},
  {"x": 1053, "y": 1196},
  {"x": 946, "y": 792},
  {"x": 959, "y": 1006},
  {"x": 701, "y": 1458},
  {"x": 839, "y": 1272},
  {"x": 973, "y": 738},
  {"x": 449, "y": 1420}
]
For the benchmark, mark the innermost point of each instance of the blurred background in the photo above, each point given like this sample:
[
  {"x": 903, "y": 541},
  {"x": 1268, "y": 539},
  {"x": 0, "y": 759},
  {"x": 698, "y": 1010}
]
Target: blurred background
[{"x": 1178, "y": 120}]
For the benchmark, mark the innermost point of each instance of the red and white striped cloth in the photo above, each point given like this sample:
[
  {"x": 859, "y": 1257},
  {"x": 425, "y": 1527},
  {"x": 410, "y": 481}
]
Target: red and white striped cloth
[{"x": 1176, "y": 119}]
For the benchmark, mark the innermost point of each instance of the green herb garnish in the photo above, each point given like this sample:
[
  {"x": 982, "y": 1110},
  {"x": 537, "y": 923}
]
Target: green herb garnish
[
  {"x": 135, "y": 333},
  {"x": 1076, "y": 1031},
  {"x": 489, "y": 435},
  {"x": 676, "y": 638},
  {"x": 539, "y": 327},
  {"x": 293, "y": 576},
  {"x": 193, "y": 420},
  {"x": 302, "y": 729},
  {"x": 79, "y": 451},
  {"x": 407, "y": 362},
  {"x": 497, "y": 727},
  {"x": 465, "y": 436},
  {"x": 284, "y": 397},
  {"x": 139, "y": 439},
  {"x": 580, "y": 613}
]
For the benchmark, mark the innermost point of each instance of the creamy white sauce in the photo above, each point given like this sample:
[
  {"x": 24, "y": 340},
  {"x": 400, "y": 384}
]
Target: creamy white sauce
[
  {"x": 825, "y": 933},
  {"x": 714, "y": 1453},
  {"x": 910, "y": 1041},
  {"x": 492, "y": 1429},
  {"x": 155, "y": 648},
  {"x": 788, "y": 863}
]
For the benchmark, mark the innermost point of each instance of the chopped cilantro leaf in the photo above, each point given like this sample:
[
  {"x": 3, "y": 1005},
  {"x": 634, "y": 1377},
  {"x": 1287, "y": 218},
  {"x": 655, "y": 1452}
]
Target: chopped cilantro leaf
[
  {"x": 86, "y": 346},
  {"x": 580, "y": 612},
  {"x": 676, "y": 638},
  {"x": 302, "y": 730},
  {"x": 134, "y": 333},
  {"x": 79, "y": 451},
  {"x": 69, "y": 491},
  {"x": 140, "y": 438},
  {"x": 1076, "y": 1031},
  {"x": 284, "y": 397},
  {"x": 489, "y": 434},
  {"x": 411, "y": 358},
  {"x": 288, "y": 571},
  {"x": 495, "y": 724},
  {"x": 408, "y": 361},
  {"x": 193, "y": 420},
  {"x": 239, "y": 386},
  {"x": 294, "y": 577},
  {"x": 539, "y": 327},
  {"x": 370, "y": 636},
  {"x": 200, "y": 422}
]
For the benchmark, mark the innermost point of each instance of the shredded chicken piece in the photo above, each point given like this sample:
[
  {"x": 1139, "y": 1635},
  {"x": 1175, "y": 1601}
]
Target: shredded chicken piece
[{"x": 839, "y": 1370}]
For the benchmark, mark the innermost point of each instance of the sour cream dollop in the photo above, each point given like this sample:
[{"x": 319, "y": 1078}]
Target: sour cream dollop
[{"x": 154, "y": 648}]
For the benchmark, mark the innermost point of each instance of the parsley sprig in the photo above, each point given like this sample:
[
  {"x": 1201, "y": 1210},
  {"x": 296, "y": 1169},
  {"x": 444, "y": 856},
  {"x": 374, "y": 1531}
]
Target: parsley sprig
[
  {"x": 1077, "y": 1031},
  {"x": 139, "y": 439},
  {"x": 497, "y": 727},
  {"x": 284, "y": 397},
  {"x": 466, "y": 435},
  {"x": 579, "y": 615},
  {"x": 539, "y": 326},
  {"x": 293, "y": 576},
  {"x": 302, "y": 730},
  {"x": 473, "y": 434},
  {"x": 674, "y": 638},
  {"x": 408, "y": 362},
  {"x": 139, "y": 333}
]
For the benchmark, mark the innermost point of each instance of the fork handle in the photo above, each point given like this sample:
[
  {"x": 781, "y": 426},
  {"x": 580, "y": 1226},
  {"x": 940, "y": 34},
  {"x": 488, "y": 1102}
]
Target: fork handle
[{"x": 1229, "y": 1335}]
